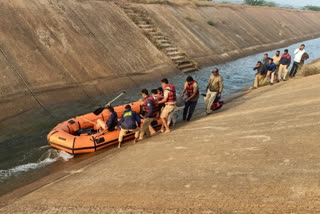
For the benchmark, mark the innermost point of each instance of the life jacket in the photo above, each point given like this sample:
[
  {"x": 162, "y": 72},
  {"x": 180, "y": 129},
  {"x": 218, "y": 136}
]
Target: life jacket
[
  {"x": 172, "y": 94},
  {"x": 217, "y": 105},
  {"x": 146, "y": 107},
  {"x": 157, "y": 106},
  {"x": 190, "y": 89}
]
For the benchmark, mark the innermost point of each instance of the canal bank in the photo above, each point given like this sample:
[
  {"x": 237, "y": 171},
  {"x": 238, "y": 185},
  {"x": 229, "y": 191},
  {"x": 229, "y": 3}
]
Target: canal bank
[
  {"x": 25, "y": 136},
  {"x": 257, "y": 155}
]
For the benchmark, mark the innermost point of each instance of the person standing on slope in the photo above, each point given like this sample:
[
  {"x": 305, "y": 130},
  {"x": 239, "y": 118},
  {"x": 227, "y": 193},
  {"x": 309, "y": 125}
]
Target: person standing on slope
[
  {"x": 297, "y": 60},
  {"x": 149, "y": 113},
  {"x": 192, "y": 89},
  {"x": 276, "y": 60},
  {"x": 214, "y": 89},
  {"x": 169, "y": 98},
  {"x": 285, "y": 62}
]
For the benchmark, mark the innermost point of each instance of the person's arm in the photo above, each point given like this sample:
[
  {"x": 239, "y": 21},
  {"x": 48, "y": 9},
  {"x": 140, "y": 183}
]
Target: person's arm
[
  {"x": 120, "y": 121},
  {"x": 296, "y": 51},
  {"x": 220, "y": 86},
  {"x": 184, "y": 89},
  {"x": 195, "y": 90},
  {"x": 149, "y": 104},
  {"x": 274, "y": 67},
  {"x": 289, "y": 62},
  {"x": 109, "y": 121},
  {"x": 137, "y": 119},
  {"x": 165, "y": 97},
  {"x": 209, "y": 82}
]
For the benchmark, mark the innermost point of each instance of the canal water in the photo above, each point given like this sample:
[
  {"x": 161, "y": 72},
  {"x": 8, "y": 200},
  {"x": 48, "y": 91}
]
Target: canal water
[{"x": 25, "y": 155}]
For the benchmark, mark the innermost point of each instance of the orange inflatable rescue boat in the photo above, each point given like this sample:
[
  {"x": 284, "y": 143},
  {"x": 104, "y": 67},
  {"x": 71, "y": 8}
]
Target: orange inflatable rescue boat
[{"x": 65, "y": 136}]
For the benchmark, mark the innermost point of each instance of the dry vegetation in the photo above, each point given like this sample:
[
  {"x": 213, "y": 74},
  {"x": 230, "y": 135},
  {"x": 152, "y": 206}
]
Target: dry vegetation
[
  {"x": 311, "y": 68},
  {"x": 197, "y": 3}
]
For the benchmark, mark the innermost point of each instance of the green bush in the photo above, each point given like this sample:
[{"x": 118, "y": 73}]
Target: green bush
[
  {"x": 311, "y": 7},
  {"x": 260, "y": 3},
  {"x": 212, "y": 23}
]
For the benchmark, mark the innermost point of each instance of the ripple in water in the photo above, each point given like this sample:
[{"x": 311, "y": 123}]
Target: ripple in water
[{"x": 50, "y": 156}]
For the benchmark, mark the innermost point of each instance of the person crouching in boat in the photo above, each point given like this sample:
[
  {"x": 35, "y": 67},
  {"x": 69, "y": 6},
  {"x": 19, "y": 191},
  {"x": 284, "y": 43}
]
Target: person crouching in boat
[
  {"x": 129, "y": 122},
  {"x": 149, "y": 113},
  {"x": 112, "y": 121}
]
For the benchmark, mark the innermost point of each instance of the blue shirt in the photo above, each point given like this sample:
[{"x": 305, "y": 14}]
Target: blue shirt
[
  {"x": 112, "y": 122},
  {"x": 270, "y": 67},
  {"x": 129, "y": 120},
  {"x": 150, "y": 109}
]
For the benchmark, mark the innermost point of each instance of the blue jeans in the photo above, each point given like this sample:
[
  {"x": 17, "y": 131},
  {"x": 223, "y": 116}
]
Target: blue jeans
[{"x": 189, "y": 108}]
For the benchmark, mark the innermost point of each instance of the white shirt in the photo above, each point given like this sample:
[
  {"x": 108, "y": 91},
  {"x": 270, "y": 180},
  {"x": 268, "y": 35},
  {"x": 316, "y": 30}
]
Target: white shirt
[{"x": 298, "y": 55}]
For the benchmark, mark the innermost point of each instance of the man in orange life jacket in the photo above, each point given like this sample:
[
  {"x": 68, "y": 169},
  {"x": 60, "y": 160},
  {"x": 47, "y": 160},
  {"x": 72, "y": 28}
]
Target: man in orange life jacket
[
  {"x": 149, "y": 113},
  {"x": 156, "y": 98},
  {"x": 191, "y": 87},
  {"x": 169, "y": 98}
]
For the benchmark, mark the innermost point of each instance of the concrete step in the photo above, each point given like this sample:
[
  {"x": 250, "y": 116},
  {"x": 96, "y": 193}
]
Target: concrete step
[
  {"x": 143, "y": 23},
  {"x": 148, "y": 29},
  {"x": 171, "y": 49},
  {"x": 154, "y": 33},
  {"x": 159, "y": 37},
  {"x": 182, "y": 61},
  {"x": 173, "y": 53},
  {"x": 163, "y": 41},
  {"x": 166, "y": 45},
  {"x": 189, "y": 69},
  {"x": 175, "y": 58},
  {"x": 128, "y": 10},
  {"x": 145, "y": 26},
  {"x": 186, "y": 65},
  {"x": 139, "y": 18},
  {"x": 131, "y": 14}
]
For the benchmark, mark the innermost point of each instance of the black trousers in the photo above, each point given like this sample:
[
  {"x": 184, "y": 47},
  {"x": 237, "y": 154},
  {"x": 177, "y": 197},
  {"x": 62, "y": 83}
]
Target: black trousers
[
  {"x": 294, "y": 69},
  {"x": 188, "y": 110}
]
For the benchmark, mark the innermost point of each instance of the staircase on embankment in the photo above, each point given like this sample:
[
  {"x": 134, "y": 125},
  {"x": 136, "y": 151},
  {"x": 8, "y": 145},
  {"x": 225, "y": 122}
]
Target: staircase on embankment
[{"x": 140, "y": 17}]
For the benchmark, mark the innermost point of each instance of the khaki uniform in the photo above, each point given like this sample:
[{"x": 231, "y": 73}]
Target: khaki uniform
[
  {"x": 281, "y": 68},
  {"x": 260, "y": 80},
  {"x": 125, "y": 131},
  {"x": 145, "y": 127},
  {"x": 215, "y": 86},
  {"x": 276, "y": 60}
]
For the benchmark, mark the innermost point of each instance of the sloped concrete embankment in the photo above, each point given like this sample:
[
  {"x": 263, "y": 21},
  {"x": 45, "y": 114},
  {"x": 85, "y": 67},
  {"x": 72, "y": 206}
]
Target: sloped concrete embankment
[
  {"x": 54, "y": 51},
  {"x": 259, "y": 154},
  {"x": 311, "y": 68}
]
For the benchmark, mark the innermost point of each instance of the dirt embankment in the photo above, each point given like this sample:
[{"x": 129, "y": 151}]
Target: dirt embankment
[
  {"x": 53, "y": 51},
  {"x": 311, "y": 68}
]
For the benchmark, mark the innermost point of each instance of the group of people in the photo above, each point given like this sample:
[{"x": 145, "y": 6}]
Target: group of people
[
  {"x": 276, "y": 68},
  {"x": 163, "y": 104}
]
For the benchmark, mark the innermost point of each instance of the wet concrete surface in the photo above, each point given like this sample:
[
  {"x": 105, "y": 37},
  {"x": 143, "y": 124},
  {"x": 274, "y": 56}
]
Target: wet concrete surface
[{"x": 259, "y": 154}]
